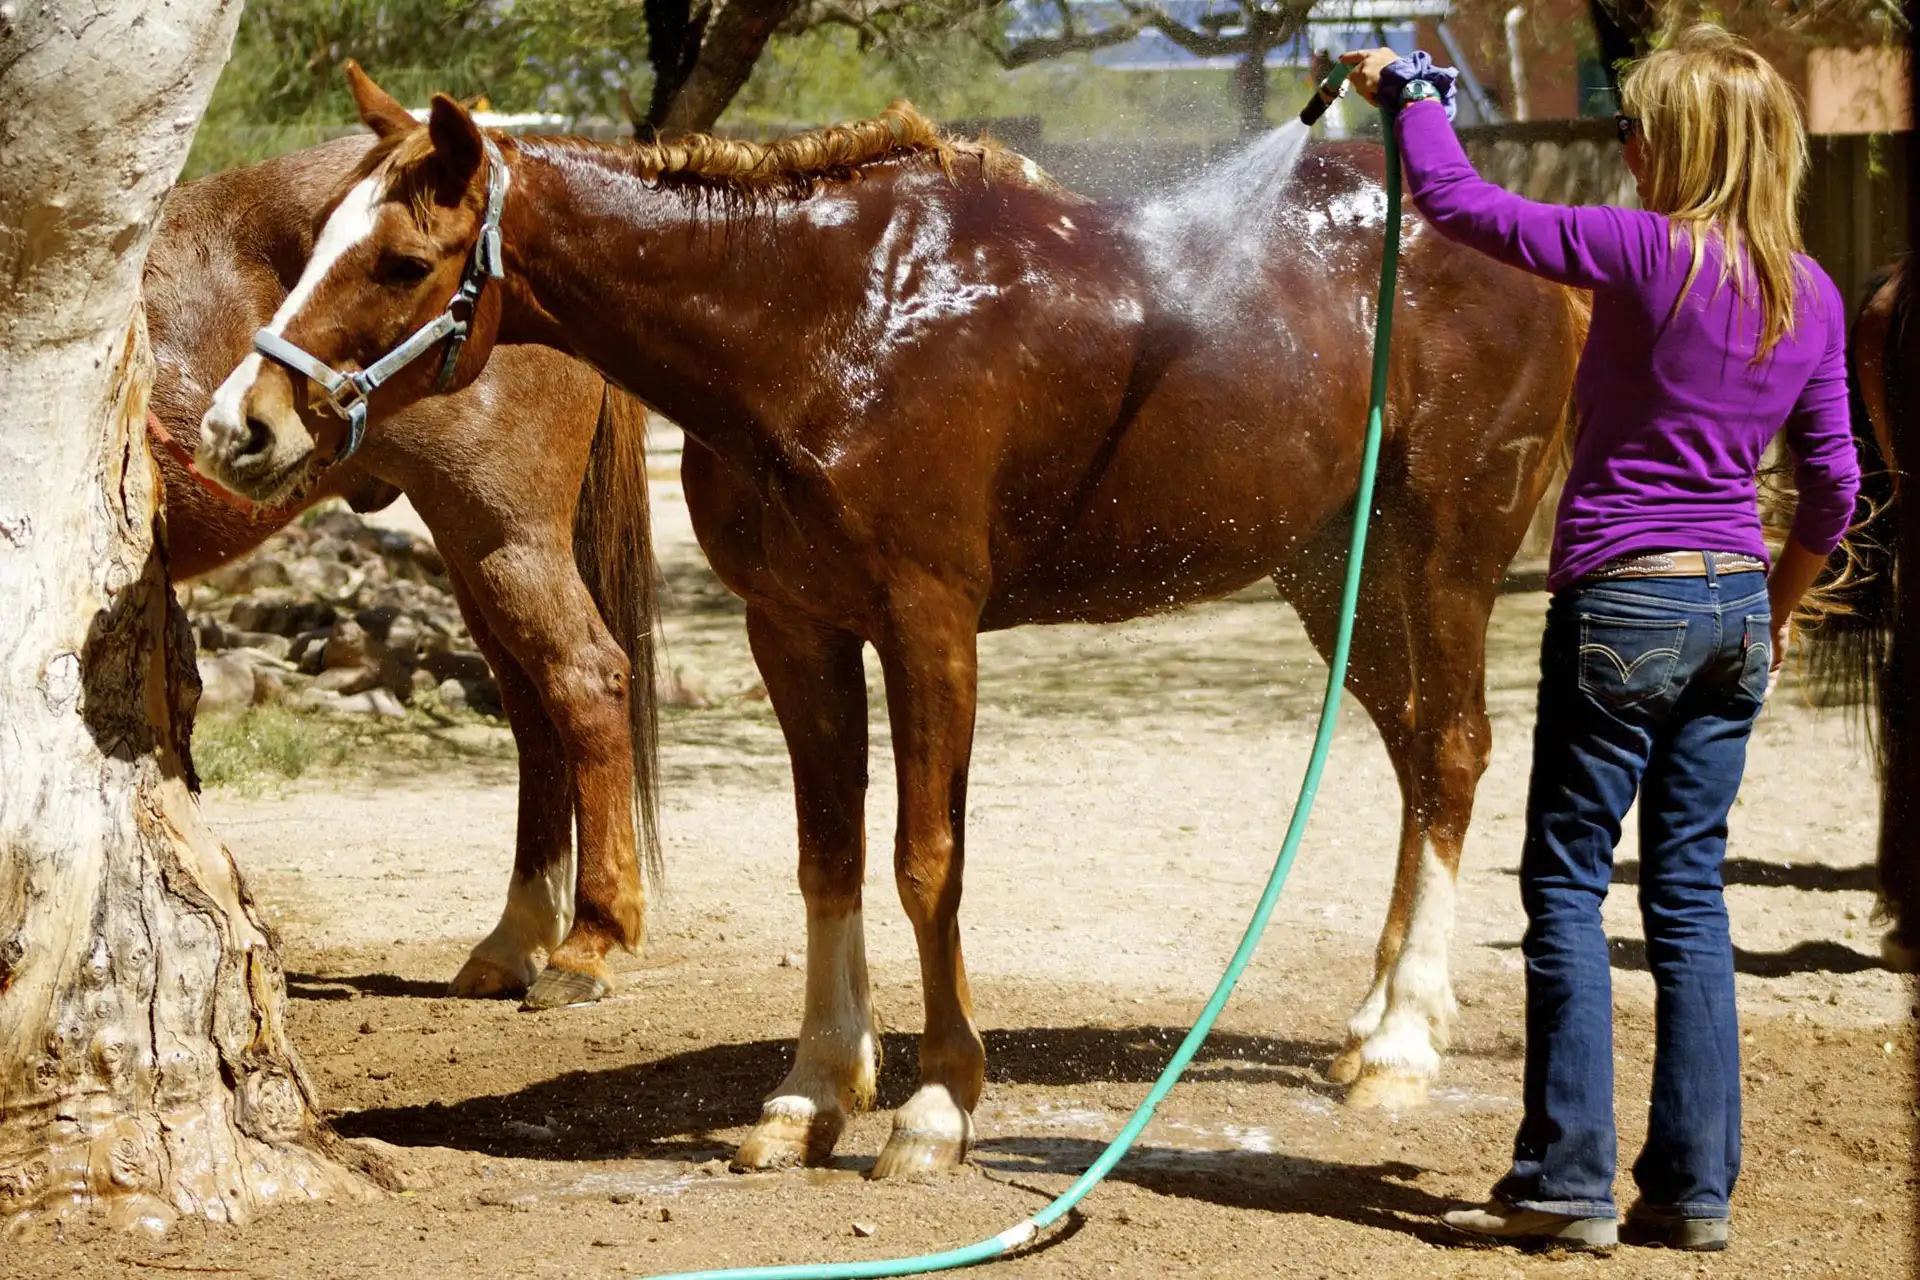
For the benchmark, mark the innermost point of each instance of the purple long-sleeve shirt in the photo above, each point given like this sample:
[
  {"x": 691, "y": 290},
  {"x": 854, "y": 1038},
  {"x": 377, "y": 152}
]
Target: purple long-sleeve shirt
[{"x": 1673, "y": 415}]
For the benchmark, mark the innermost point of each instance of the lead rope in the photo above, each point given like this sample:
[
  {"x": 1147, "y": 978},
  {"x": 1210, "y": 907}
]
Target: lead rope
[{"x": 1022, "y": 1232}]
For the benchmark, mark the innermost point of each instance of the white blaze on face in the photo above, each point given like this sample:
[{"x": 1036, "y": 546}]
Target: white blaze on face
[{"x": 351, "y": 223}]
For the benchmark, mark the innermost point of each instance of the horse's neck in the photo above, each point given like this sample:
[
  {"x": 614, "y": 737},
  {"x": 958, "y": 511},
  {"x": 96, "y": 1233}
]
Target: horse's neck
[{"x": 655, "y": 289}]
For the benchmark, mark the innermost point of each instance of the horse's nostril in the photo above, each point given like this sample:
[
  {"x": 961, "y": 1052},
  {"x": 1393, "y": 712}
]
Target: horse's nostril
[{"x": 259, "y": 436}]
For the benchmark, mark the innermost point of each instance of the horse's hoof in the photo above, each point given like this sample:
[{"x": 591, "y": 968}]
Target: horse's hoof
[
  {"x": 558, "y": 988},
  {"x": 1386, "y": 1089},
  {"x": 908, "y": 1152},
  {"x": 782, "y": 1140},
  {"x": 1345, "y": 1068},
  {"x": 483, "y": 979}
]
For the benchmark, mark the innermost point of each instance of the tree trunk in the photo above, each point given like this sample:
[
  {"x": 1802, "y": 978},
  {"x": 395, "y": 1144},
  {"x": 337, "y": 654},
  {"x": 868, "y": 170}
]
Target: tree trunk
[
  {"x": 735, "y": 35},
  {"x": 674, "y": 32},
  {"x": 1250, "y": 91},
  {"x": 144, "y": 1064}
]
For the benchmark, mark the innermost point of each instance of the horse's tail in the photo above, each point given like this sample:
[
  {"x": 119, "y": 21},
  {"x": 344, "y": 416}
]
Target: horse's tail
[
  {"x": 613, "y": 547},
  {"x": 1848, "y": 649}
]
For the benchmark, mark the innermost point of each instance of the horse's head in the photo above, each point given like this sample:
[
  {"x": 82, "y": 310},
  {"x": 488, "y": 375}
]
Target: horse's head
[{"x": 394, "y": 304}]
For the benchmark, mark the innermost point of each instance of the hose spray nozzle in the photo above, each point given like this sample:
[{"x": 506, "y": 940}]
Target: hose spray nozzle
[{"x": 1326, "y": 95}]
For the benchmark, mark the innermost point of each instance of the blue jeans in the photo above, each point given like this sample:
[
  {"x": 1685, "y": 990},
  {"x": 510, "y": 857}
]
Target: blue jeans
[{"x": 1647, "y": 685}]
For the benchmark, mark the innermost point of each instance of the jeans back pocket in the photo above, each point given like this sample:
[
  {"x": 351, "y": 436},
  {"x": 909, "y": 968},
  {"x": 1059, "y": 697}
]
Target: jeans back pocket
[
  {"x": 1625, "y": 663},
  {"x": 1756, "y": 656}
]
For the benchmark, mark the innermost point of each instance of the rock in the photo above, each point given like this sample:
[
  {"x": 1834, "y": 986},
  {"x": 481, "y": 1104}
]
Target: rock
[
  {"x": 226, "y": 683},
  {"x": 623, "y": 1197},
  {"x": 269, "y": 687},
  {"x": 452, "y": 694},
  {"x": 308, "y": 643},
  {"x": 532, "y": 1132},
  {"x": 311, "y": 575},
  {"x": 244, "y": 577},
  {"x": 212, "y": 637},
  {"x": 347, "y": 679},
  {"x": 864, "y": 1229},
  {"x": 377, "y": 702},
  {"x": 484, "y": 696},
  {"x": 261, "y": 659},
  {"x": 349, "y": 646},
  {"x": 686, "y": 689},
  {"x": 378, "y": 620},
  {"x": 280, "y": 616},
  {"x": 791, "y": 960},
  {"x": 403, "y": 638},
  {"x": 262, "y": 641},
  {"x": 457, "y": 664}
]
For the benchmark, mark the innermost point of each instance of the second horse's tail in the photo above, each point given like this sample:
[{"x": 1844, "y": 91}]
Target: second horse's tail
[
  {"x": 1847, "y": 652},
  {"x": 613, "y": 547}
]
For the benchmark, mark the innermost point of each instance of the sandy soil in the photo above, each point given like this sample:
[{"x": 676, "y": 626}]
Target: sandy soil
[{"x": 1129, "y": 788}]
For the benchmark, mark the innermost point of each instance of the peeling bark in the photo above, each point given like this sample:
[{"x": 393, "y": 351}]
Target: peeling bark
[{"x": 145, "y": 1070}]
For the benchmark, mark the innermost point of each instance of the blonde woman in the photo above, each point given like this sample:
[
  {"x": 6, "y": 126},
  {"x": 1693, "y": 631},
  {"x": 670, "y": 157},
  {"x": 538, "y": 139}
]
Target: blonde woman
[{"x": 1711, "y": 333}]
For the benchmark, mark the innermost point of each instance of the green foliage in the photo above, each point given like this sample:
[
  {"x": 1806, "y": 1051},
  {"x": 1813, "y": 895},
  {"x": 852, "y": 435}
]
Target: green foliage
[
  {"x": 265, "y": 746},
  {"x": 263, "y": 743},
  {"x": 826, "y": 74},
  {"x": 285, "y": 88}
]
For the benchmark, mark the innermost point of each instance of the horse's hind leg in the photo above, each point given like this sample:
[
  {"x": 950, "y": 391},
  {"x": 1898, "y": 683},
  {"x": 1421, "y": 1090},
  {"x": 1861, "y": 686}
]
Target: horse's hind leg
[
  {"x": 1418, "y": 667},
  {"x": 539, "y": 906},
  {"x": 818, "y": 689},
  {"x": 539, "y": 610}
]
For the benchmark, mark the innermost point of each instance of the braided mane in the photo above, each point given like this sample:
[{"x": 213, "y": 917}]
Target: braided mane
[{"x": 803, "y": 162}]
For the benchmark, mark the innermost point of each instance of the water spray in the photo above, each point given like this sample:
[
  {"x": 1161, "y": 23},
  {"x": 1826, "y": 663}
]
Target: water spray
[
  {"x": 1326, "y": 95},
  {"x": 1023, "y": 1232}
]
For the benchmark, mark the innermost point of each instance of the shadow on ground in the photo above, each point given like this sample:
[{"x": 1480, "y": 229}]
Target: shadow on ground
[
  {"x": 1372, "y": 1195},
  {"x": 676, "y": 1105},
  {"x": 313, "y": 986}
]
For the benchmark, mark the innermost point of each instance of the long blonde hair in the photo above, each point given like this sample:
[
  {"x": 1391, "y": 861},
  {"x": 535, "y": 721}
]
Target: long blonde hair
[{"x": 1725, "y": 155}]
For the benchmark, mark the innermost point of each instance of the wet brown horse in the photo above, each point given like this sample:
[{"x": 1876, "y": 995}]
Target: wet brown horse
[
  {"x": 503, "y": 515},
  {"x": 1851, "y": 655},
  {"x": 934, "y": 394}
]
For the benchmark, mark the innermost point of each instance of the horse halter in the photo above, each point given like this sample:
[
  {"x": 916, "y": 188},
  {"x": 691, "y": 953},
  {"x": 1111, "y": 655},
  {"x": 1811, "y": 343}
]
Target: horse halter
[{"x": 347, "y": 393}]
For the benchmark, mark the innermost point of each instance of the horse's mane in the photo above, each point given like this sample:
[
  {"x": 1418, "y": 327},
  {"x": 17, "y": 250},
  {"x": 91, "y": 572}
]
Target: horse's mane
[
  {"x": 796, "y": 165},
  {"x": 803, "y": 162}
]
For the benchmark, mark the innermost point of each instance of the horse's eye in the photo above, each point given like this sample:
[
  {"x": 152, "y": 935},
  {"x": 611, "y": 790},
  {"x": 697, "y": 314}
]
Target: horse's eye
[{"x": 403, "y": 269}]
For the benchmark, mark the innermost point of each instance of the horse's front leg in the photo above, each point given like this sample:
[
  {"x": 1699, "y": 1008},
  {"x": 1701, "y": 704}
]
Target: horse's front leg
[
  {"x": 929, "y": 660},
  {"x": 818, "y": 689},
  {"x": 539, "y": 610}
]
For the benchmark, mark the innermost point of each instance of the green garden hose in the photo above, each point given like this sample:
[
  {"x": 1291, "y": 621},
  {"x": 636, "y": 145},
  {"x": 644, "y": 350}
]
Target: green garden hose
[{"x": 1019, "y": 1234}]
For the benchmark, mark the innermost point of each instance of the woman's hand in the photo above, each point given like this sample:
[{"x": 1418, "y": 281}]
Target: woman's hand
[
  {"x": 1367, "y": 65},
  {"x": 1794, "y": 570},
  {"x": 1782, "y": 637}
]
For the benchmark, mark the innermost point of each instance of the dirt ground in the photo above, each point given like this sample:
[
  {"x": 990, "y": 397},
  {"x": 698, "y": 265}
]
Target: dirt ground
[{"x": 1130, "y": 785}]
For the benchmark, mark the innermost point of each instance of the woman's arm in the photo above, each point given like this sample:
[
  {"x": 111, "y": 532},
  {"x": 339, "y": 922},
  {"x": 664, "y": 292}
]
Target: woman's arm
[
  {"x": 1586, "y": 248},
  {"x": 1826, "y": 472}
]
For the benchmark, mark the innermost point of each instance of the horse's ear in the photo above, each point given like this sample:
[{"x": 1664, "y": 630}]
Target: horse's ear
[
  {"x": 378, "y": 110},
  {"x": 456, "y": 138}
]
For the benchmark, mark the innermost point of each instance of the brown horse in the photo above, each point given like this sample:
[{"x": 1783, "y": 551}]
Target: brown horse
[
  {"x": 504, "y": 517},
  {"x": 1851, "y": 654},
  {"x": 929, "y": 393}
]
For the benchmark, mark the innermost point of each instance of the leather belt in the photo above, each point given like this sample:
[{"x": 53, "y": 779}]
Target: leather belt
[{"x": 1676, "y": 564}]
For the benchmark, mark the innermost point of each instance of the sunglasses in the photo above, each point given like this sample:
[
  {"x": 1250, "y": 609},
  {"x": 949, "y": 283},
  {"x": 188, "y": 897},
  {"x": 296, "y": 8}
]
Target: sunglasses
[{"x": 1625, "y": 125}]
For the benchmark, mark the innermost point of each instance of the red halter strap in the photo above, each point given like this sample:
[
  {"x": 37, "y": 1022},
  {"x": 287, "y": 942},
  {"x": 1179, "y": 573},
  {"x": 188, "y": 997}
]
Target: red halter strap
[{"x": 165, "y": 441}]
